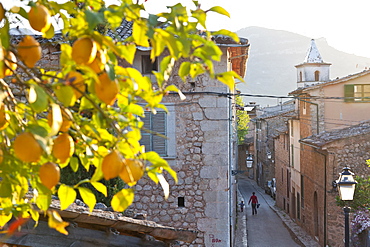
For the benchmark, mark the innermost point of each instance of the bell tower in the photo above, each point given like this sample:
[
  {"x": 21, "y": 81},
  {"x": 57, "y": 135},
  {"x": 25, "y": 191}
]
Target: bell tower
[{"x": 313, "y": 70}]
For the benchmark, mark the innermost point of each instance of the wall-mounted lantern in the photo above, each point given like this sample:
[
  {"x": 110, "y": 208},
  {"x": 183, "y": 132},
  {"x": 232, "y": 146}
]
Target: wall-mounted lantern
[{"x": 249, "y": 161}]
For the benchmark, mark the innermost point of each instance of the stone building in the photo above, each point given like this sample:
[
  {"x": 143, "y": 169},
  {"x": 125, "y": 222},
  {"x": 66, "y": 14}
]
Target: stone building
[
  {"x": 326, "y": 135},
  {"x": 202, "y": 149},
  {"x": 268, "y": 124},
  {"x": 200, "y": 145}
]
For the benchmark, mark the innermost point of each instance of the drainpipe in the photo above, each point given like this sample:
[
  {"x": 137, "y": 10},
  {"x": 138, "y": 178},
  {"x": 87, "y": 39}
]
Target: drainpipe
[
  {"x": 325, "y": 190},
  {"x": 230, "y": 191}
]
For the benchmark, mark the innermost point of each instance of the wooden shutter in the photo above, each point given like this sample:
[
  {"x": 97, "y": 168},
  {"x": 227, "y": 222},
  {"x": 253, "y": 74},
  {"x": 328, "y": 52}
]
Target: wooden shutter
[
  {"x": 155, "y": 140},
  {"x": 146, "y": 136},
  {"x": 348, "y": 93},
  {"x": 159, "y": 126}
]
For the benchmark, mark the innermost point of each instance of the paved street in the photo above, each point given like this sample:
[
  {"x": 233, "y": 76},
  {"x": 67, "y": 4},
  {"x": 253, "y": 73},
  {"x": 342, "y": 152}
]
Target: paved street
[{"x": 265, "y": 229}]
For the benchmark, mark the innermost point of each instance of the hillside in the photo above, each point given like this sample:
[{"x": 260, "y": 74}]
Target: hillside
[{"x": 273, "y": 55}]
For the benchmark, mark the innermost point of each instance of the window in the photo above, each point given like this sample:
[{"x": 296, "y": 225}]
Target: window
[
  {"x": 181, "y": 202},
  {"x": 298, "y": 207},
  {"x": 317, "y": 75},
  {"x": 302, "y": 191},
  {"x": 291, "y": 128},
  {"x": 292, "y": 154},
  {"x": 147, "y": 65},
  {"x": 154, "y": 136},
  {"x": 300, "y": 76},
  {"x": 357, "y": 93}
]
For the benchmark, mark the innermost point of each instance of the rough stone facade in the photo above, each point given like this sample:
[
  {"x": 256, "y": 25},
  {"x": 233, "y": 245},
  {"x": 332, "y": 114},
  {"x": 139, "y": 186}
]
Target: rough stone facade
[
  {"x": 205, "y": 154},
  {"x": 282, "y": 171},
  {"x": 202, "y": 132},
  {"x": 336, "y": 149}
]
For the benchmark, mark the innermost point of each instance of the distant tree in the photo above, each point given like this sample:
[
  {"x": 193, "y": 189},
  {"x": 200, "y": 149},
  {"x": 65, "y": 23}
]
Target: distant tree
[
  {"x": 361, "y": 198},
  {"x": 242, "y": 119}
]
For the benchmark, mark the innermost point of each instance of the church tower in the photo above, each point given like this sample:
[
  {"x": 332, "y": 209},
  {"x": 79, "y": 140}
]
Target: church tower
[{"x": 313, "y": 70}]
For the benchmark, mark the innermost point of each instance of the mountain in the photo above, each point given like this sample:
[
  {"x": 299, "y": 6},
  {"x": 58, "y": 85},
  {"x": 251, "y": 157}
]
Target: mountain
[{"x": 273, "y": 55}]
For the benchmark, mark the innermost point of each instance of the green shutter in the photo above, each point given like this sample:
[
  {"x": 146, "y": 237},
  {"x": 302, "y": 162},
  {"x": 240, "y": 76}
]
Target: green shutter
[{"x": 349, "y": 93}]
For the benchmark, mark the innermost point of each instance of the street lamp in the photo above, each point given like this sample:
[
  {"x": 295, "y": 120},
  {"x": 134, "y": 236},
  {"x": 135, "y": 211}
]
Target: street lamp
[{"x": 346, "y": 184}]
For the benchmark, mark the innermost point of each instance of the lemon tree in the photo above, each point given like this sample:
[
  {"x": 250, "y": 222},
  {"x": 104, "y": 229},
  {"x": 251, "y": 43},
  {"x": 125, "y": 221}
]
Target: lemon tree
[{"x": 86, "y": 113}]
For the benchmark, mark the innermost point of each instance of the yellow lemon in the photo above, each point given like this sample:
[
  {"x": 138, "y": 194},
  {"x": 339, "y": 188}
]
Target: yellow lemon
[
  {"x": 84, "y": 50},
  {"x": 76, "y": 80},
  {"x": 39, "y": 18},
  {"x": 132, "y": 171},
  {"x": 66, "y": 124},
  {"x": 106, "y": 89},
  {"x": 112, "y": 165},
  {"x": 2, "y": 12},
  {"x": 1, "y": 156},
  {"x": 63, "y": 147},
  {"x": 29, "y": 51},
  {"x": 99, "y": 62},
  {"x": 26, "y": 148},
  {"x": 49, "y": 174}
]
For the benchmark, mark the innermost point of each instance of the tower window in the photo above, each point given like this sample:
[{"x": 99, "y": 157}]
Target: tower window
[
  {"x": 300, "y": 76},
  {"x": 317, "y": 75}
]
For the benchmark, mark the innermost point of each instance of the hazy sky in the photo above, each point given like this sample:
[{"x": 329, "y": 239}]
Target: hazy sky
[{"x": 344, "y": 24}]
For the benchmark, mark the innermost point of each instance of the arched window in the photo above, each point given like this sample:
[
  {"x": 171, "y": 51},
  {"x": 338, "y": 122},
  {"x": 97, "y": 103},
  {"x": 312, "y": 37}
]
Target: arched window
[
  {"x": 317, "y": 75},
  {"x": 300, "y": 76}
]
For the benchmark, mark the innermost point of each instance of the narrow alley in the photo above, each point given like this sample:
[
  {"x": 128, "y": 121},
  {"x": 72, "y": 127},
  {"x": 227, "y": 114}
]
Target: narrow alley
[{"x": 265, "y": 229}]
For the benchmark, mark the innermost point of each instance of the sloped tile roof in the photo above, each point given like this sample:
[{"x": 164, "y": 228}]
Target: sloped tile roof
[{"x": 320, "y": 140}]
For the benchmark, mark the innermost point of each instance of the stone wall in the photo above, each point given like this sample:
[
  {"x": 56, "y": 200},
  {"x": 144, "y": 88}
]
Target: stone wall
[
  {"x": 352, "y": 152},
  {"x": 282, "y": 170},
  {"x": 202, "y": 128}
]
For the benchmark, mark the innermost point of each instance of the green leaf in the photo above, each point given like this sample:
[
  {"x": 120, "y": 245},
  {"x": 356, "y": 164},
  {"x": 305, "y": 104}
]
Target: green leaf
[
  {"x": 74, "y": 163},
  {"x": 4, "y": 218},
  {"x": 65, "y": 94},
  {"x": 184, "y": 70},
  {"x": 57, "y": 119},
  {"x": 50, "y": 33},
  {"x": 196, "y": 69},
  {"x": 139, "y": 30},
  {"x": 220, "y": 10},
  {"x": 88, "y": 197},
  {"x": 164, "y": 184},
  {"x": 34, "y": 215},
  {"x": 100, "y": 187},
  {"x": 225, "y": 32},
  {"x": 128, "y": 52},
  {"x": 227, "y": 78},
  {"x": 94, "y": 18},
  {"x": 67, "y": 195},
  {"x": 122, "y": 200},
  {"x": 37, "y": 98},
  {"x": 201, "y": 16},
  {"x": 43, "y": 201},
  {"x": 4, "y": 35},
  {"x": 85, "y": 104},
  {"x": 175, "y": 89},
  {"x": 5, "y": 188},
  {"x": 38, "y": 129}
]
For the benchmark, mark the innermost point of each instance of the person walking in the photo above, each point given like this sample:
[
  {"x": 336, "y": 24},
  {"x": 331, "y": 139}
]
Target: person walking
[
  {"x": 254, "y": 201},
  {"x": 241, "y": 206}
]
